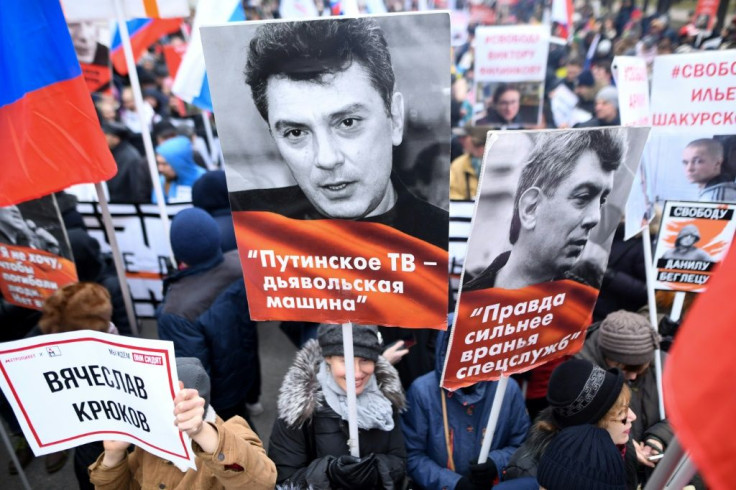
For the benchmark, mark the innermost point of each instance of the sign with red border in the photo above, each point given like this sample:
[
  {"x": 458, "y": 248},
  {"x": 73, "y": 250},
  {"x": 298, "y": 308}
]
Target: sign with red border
[{"x": 73, "y": 388}]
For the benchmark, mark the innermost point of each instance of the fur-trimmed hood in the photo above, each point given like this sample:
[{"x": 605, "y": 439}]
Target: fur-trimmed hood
[{"x": 301, "y": 393}]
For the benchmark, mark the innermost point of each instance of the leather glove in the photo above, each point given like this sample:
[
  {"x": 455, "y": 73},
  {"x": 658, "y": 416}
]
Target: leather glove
[
  {"x": 354, "y": 473},
  {"x": 482, "y": 475}
]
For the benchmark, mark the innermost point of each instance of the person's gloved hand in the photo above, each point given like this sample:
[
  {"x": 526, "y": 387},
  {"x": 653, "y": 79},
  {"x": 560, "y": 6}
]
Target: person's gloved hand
[
  {"x": 464, "y": 483},
  {"x": 355, "y": 473},
  {"x": 482, "y": 475}
]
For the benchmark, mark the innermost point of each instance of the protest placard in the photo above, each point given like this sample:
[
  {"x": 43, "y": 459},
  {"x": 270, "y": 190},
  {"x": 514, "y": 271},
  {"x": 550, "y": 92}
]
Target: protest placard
[
  {"x": 339, "y": 213},
  {"x": 693, "y": 239},
  {"x": 143, "y": 246},
  {"x": 510, "y": 67},
  {"x": 704, "y": 86},
  {"x": 538, "y": 249},
  {"x": 691, "y": 153},
  {"x": 91, "y": 39},
  {"x": 35, "y": 257},
  {"x": 632, "y": 82},
  {"x": 77, "y": 387}
]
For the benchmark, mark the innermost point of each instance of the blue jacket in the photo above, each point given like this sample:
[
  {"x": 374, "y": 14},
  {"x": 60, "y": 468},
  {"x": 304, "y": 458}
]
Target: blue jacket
[
  {"x": 467, "y": 415},
  {"x": 205, "y": 313}
]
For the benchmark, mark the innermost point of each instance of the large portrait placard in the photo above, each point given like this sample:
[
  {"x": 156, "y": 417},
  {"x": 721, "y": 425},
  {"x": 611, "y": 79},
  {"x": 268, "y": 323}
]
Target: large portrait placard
[{"x": 336, "y": 154}]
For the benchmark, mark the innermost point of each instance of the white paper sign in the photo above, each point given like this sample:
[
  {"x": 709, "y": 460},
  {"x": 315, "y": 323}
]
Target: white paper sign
[
  {"x": 696, "y": 89},
  {"x": 511, "y": 53},
  {"x": 630, "y": 73},
  {"x": 77, "y": 387}
]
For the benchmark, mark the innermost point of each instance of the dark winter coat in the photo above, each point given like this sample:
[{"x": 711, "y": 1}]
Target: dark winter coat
[
  {"x": 308, "y": 435},
  {"x": 132, "y": 182},
  {"x": 624, "y": 283},
  {"x": 205, "y": 313}
]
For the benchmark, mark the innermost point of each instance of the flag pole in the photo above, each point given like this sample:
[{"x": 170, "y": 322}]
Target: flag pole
[
  {"x": 648, "y": 270},
  {"x": 145, "y": 132},
  {"x": 116, "y": 258},
  {"x": 210, "y": 136},
  {"x": 493, "y": 418},
  {"x": 347, "y": 344}
]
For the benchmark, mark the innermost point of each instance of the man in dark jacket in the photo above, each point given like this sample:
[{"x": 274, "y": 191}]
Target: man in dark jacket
[
  {"x": 132, "y": 183},
  {"x": 606, "y": 109},
  {"x": 205, "y": 312}
]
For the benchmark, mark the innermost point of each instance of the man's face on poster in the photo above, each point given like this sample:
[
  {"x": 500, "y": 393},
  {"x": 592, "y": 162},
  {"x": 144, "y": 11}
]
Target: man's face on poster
[
  {"x": 337, "y": 139},
  {"x": 508, "y": 104},
  {"x": 84, "y": 36},
  {"x": 700, "y": 166},
  {"x": 564, "y": 219},
  {"x": 12, "y": 222}
]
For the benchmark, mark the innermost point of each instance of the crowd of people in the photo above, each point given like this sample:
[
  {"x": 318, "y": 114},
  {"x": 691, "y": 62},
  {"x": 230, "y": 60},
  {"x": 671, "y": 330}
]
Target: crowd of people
[{"x": 587, "y": 421}]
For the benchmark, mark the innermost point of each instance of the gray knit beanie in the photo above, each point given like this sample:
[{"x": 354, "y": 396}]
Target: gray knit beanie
[
  {"x": 609, "y": 94},
  {"x": 627, "y": 338},
  {"x": 366, "y": 343}
]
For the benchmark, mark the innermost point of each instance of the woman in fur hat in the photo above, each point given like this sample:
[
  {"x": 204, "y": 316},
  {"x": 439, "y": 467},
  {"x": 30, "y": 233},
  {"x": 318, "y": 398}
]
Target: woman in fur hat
[{"x": 309, "y": 441}]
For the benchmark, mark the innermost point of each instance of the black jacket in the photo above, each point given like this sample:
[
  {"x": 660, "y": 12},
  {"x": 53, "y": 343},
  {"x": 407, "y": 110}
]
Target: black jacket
[{"x": 308, "y": 435}]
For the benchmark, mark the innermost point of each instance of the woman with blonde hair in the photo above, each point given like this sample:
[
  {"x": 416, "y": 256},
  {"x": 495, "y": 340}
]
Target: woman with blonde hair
[{"x": 579, "y": 393}]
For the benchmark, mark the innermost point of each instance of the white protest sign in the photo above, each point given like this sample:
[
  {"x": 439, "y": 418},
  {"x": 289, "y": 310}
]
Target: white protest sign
[
  {"x": 696, "y": 89},
  {"x": 511, "y": 53},
  {"x": 77, "y": 387},
  {"x": 630, "y": 73},
  {"x": 143, "y": 246}
]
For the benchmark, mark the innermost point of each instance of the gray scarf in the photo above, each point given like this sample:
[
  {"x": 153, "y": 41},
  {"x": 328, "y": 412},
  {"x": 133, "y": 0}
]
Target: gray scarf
[{"x": 374, "y": 409}]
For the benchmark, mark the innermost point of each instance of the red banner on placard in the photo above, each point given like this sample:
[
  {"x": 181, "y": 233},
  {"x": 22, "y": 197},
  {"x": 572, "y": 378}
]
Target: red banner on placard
[
  {"x": 507, "y": 331},
  {"x": 28, "y": 276},
  {"x": 337, "y": 271}
]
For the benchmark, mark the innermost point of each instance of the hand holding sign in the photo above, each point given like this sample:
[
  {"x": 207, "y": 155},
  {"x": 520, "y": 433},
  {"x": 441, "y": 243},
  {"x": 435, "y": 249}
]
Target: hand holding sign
[{"x": 189, "y": 418}]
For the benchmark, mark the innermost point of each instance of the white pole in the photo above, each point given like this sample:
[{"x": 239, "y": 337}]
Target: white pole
[
  {"x": 145, "y": 133},
  {"x": 648, "y": 270},
  {"x": 14, "y": 458},
  {"x": 117, "y": 258},
  {"x": 210, "y": 137},
  {"x": 677, "y": 304},
  {"x": 493, "y": 418},
  {"x": 347, "y": 343}
]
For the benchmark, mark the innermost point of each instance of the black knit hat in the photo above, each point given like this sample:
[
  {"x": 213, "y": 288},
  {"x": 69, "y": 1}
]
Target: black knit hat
[
  {"x": 582, "y": 457},
  {"x": 582, "y": 393},
  {"x": 365, "y": 341}
]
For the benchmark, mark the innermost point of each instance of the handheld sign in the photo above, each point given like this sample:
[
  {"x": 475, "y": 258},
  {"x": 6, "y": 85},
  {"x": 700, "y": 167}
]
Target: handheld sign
[
  {"x": 538, "y": 249},
  {"x": 77, "y": 387},
  {"x": 693, "y": 239},
  {"x": 340, "y": 211}
]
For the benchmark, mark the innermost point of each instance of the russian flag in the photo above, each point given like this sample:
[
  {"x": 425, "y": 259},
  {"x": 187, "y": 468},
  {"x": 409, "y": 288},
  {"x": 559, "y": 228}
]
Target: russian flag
[
  {"x": 562, "y": 11},
  {"x": 49, "y": 132},
  {"x": 143, "y": 33},
  {"x": 190, "y": 84}
]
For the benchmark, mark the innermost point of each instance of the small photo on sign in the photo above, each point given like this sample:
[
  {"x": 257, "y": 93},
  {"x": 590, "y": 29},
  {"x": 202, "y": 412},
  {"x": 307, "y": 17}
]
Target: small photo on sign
[{"x": 693, "y": 239}]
